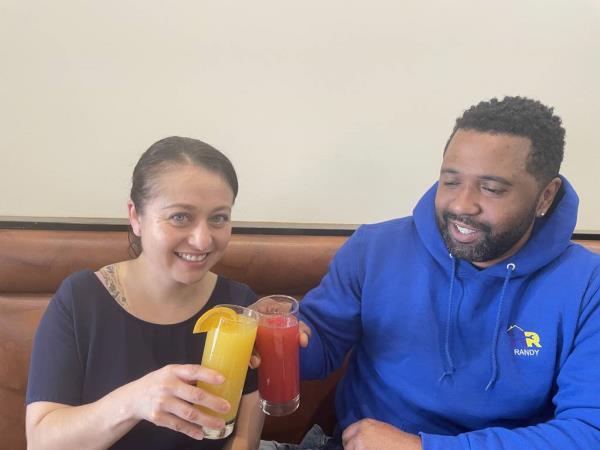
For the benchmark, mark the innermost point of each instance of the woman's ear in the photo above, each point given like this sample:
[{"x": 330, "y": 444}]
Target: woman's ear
[{"x": 134, "y": 219}]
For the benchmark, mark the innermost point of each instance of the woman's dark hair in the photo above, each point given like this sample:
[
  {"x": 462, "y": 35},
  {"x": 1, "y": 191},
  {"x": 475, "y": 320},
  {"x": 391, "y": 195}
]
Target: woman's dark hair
[
  {"x": 521, "y": 116},
  {"x": 164, "y": 153}
]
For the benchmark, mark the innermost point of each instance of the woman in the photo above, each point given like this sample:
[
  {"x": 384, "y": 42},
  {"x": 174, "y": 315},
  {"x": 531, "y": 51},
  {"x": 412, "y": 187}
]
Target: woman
[{"x": 114, "y": 362}]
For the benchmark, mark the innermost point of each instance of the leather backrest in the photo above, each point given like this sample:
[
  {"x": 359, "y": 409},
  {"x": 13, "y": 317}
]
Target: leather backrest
[{"x": 34, "y": 262}]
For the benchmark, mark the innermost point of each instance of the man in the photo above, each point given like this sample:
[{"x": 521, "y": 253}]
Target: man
[{"x": 475, "y": 322}]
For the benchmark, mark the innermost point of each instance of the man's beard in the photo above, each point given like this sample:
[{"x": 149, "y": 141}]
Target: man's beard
[{"x": 491, "y": 246}]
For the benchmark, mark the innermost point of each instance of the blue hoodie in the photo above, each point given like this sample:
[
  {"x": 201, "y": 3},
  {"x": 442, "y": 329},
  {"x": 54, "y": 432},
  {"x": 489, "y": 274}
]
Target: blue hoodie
[{"x": 507, "y": 357}]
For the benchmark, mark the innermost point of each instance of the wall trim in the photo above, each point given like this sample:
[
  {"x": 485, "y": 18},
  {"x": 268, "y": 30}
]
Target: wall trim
[{"x": 266, "y": 228}]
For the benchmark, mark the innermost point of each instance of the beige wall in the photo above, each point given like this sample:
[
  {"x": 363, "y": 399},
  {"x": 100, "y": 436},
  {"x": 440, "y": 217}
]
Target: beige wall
[{"x": 333, "y": 111}]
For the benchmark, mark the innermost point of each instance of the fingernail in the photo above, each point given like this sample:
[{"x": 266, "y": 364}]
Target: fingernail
[
  {"x": 224, "y": 407},
  {"x": 198, "y": 435},
  {"x": 220, "y": 378}
]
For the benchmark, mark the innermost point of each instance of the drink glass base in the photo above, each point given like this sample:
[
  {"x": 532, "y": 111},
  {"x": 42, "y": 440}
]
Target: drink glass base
[
  {"x": 218, "y": 433},
  {"x": 280, "y": 408}
]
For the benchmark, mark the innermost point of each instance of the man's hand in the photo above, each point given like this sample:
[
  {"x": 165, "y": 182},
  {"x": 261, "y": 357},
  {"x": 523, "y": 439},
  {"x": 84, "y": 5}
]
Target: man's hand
[
  {"x": 369, "y": 434},
  {"x": 303, "y": 334}
]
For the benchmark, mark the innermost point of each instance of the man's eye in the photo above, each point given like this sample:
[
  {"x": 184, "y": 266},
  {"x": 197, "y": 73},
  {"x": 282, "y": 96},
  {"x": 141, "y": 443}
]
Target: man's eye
[
  {"x": 450, "y": 183},
  {"x": 493, "y": 191}
]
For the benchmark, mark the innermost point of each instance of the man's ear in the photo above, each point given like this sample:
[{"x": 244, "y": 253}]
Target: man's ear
[
  {"x": 548, "y": 196},
  {"x": 134, "y": 219}
]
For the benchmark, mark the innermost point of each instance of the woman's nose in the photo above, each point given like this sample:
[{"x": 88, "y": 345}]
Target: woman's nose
[{"x": 201, "y": 236}]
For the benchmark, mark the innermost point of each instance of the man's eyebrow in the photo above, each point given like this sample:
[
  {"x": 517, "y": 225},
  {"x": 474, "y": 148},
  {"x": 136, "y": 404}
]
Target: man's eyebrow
[
  {"x": 500, "y": 180},
  {"x": 449, "y": 171},
  {"x": 494, "y": 178}
]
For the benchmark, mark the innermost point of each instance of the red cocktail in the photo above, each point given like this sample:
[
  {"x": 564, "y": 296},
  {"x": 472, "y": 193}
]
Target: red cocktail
[{"x": 277, "y": 344}]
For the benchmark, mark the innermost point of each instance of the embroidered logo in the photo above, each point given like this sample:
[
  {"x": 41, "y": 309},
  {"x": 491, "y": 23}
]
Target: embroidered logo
[{"x": 525, "y": 343}]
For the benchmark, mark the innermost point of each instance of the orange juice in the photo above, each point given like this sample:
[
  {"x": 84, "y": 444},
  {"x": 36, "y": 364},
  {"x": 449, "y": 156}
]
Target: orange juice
[{"x": 227, "y": 350}]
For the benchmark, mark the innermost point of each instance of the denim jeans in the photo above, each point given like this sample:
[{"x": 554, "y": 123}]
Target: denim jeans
[{"x": 315, "y": 439}]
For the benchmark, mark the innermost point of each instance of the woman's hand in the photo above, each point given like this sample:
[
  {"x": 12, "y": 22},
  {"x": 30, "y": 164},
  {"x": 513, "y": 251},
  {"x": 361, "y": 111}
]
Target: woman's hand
[{"x": 166, "y": 397}]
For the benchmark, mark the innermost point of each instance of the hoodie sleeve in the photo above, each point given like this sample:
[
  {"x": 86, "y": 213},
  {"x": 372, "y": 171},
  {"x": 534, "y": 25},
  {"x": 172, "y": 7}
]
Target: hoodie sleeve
[
  {"x": 332, "y": 311},
  {"x": 576, "y": 423}
]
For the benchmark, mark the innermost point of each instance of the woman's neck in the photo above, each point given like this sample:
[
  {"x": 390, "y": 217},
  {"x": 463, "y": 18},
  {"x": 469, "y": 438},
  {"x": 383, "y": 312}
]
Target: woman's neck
[{"x": 159, "y": 299}]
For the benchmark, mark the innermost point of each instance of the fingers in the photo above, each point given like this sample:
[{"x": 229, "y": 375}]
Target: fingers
[
  {"x": 170, "y": 399},
  {"x": 349, "y": 432},
  {"x": 190, "y": 414},
  {"x": 254, "y": 361},
  {"x": 195, "y": 372},
  {"x": 303, "y": 339},
  {"x": 304, "y": 328},
  {"x": 167, "y": 420},
  {"x": 184, "y": 418},
  {"x": 351, "y": 436},
  {"x": 198, "y": 396},
  {"x": 304, "y": 334}
]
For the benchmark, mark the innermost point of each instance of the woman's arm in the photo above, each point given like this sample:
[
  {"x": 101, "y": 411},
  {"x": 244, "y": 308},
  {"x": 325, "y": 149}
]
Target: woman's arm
[
  {"x": 163, "y": 397},
  {"x": 95, "y": 426},
  {"x": 248, "y": 424}
]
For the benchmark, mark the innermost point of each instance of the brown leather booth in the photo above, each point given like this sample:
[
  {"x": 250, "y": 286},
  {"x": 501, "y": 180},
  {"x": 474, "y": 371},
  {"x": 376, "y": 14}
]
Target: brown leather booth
[{"x": 34, "y": 262}]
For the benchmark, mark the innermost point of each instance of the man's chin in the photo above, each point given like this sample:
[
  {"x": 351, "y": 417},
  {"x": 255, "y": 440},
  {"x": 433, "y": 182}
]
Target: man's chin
[{"x": 469, "y": 252}]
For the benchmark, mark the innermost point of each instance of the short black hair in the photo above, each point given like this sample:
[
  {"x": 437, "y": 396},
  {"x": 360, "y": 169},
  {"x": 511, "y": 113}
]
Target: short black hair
[{"x": 521, "y": 116}]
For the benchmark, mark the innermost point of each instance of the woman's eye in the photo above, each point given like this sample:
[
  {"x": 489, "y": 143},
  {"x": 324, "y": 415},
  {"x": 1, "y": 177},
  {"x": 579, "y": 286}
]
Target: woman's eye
[
  {"x": 179, "y": 218},
  {"x": 219, "y": 219}
]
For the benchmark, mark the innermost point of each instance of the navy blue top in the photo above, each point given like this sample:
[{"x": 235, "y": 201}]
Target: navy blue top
[{"x": 87, "y": 345}]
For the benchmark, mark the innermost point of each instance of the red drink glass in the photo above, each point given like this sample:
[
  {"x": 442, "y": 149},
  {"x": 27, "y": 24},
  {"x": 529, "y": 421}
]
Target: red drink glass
[{"x": 277, "y": 344}]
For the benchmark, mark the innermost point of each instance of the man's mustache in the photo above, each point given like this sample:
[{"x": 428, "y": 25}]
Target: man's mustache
[{"x": 467, "y": 220}]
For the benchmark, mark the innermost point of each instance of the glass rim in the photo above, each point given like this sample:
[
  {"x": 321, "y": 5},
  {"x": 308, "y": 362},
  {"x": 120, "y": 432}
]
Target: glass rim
[
  {"x": 293, "y": 311},
  {"x": 246, "y": 311}
]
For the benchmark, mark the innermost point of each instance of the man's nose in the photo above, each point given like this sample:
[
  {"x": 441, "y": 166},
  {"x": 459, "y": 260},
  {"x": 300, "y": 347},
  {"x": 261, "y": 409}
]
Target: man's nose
[
  {"x": 466, "y": 202},
  {"x": 201, "y": 236}
]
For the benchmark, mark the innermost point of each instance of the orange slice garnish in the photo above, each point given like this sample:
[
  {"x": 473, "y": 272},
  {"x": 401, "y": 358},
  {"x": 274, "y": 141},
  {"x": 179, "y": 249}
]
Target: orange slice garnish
[{"x": 210, "y": 319}]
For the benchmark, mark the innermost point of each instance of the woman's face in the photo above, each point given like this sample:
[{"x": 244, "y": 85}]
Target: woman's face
[{"x": 185, "y": 225}]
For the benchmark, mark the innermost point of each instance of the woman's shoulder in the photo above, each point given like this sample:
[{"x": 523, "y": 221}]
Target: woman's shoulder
[
  {"x": 80, "y": 288},
  {"x": 81, "y": 280}
]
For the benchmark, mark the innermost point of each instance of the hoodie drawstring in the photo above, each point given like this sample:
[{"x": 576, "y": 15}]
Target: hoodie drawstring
[
  {"x": 449, "y": 364},
  {"x": 509, "y": 270}
]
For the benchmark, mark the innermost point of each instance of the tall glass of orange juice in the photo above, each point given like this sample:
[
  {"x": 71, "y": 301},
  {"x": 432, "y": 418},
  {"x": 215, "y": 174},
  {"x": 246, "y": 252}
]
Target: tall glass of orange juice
[{"x": 231, "y": 330}]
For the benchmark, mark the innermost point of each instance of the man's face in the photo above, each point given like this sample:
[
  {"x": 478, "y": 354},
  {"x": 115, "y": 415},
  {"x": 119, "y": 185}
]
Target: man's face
[{"x": 486, "y": 200}]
